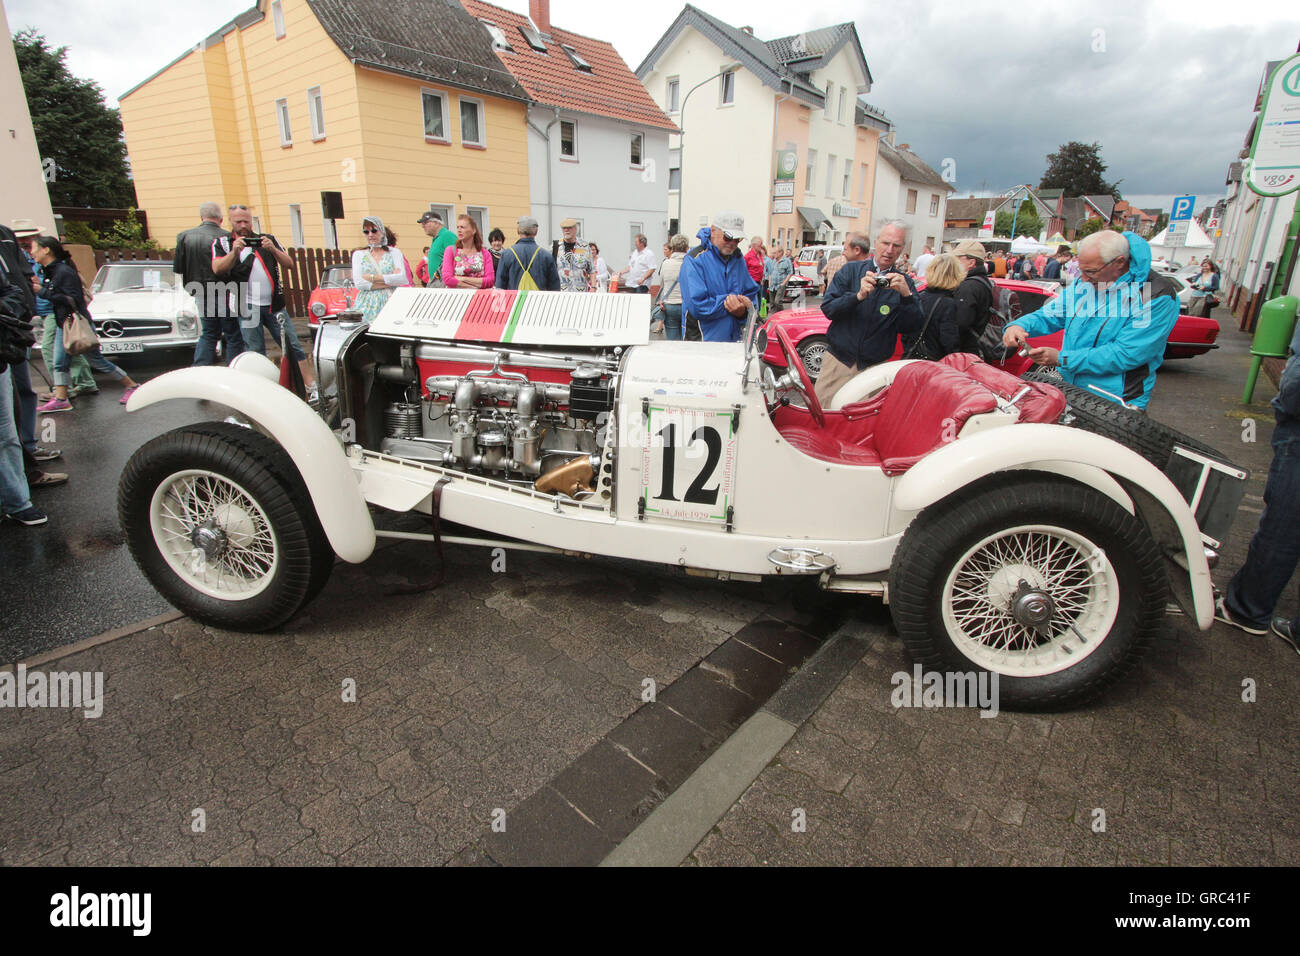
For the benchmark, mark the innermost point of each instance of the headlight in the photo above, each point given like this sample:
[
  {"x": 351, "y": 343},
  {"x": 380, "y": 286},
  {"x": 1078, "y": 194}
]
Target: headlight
[
  {"x": 318, "y": 309},
  {"x": 187, "y": 321}
]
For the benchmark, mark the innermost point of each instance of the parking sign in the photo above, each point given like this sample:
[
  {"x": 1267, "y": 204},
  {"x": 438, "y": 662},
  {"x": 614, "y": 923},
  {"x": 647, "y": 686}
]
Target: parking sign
[{"x": 1183, "y": 206}]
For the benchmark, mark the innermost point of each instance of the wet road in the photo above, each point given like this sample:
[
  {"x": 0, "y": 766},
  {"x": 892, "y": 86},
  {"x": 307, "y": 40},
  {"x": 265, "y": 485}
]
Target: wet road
[{"x": 74, "y": 578}]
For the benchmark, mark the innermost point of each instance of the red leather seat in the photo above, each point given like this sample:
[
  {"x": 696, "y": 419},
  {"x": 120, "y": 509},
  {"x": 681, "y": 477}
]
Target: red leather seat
[
  {"x": 925, "y": 407},
  {"x": 1043, "y": 403}
]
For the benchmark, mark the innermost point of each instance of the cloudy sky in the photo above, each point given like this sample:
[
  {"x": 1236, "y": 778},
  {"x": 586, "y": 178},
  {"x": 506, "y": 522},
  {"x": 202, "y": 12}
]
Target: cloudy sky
[{"x": 1166, "y": 86}]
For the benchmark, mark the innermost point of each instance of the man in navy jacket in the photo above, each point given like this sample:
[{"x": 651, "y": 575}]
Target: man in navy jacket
[{"x": 866, "y": 319}]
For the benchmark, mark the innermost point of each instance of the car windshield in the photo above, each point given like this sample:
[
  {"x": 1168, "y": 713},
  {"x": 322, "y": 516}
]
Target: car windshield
[
  {"x": 157, "y": 276},
  {"x": 336, "y": 277},
  {"x": 808, "y": 255}
]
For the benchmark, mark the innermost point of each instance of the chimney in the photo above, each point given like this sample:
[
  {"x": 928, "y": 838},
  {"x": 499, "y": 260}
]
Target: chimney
[
  {"x": 749, "y": 30},
  {"x": 902, "y": 146},
  {"x": 539, "y": 11}
]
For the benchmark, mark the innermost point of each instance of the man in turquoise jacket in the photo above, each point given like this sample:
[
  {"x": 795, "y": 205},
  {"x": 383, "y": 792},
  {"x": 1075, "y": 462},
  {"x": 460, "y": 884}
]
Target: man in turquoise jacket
[{"x": 1117, "y": 319}]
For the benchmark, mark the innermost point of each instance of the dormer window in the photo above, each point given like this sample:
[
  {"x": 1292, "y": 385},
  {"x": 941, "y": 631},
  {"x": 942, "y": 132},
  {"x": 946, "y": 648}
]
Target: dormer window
[
  {"x": 499, "y": 41},
  {"x": 578, "y": 62},
  {"x": 533, "y": 38}
]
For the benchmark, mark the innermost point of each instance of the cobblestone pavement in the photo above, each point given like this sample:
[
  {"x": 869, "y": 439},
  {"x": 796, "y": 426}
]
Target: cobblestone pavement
[{"x": 1185, "y": 771}]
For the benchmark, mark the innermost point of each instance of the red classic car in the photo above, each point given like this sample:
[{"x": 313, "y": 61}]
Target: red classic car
[
  {"x": 329, "y": 298},
  {"x": 1191, "y": 335}
]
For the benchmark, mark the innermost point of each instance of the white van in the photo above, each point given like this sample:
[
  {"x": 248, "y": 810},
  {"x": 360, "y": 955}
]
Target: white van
[{"x": 812, "y": 258}]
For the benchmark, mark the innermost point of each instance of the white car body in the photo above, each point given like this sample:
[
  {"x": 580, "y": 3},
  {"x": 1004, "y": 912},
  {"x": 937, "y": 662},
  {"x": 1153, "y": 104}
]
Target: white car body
[
  {"x": 142, "y": 307},
  {"x": 774, "y": 510}
]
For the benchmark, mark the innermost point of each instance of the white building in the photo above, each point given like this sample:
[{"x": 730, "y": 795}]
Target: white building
[
  {"x": 597, "y": 143},
  {"x": 745, "y": 106},
  {"x": 23, "y": 193},
  {"x": 908, "y": 189}
]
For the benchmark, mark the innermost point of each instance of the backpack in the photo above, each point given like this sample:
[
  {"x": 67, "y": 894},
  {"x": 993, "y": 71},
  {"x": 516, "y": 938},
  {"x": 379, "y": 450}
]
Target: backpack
[
  {"x": 526, "y": 282},
  {"x": 988, "y": 339}
]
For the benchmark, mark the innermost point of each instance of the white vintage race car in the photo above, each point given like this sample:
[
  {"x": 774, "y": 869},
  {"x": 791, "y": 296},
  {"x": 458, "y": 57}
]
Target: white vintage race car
[{"x": 1002, "y": 540}]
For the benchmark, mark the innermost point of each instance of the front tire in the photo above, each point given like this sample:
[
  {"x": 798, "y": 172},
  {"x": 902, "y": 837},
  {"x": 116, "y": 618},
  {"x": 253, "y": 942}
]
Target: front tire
[
  {"x": 216, "y": 517},
  {"x": 1048, "y": 584}
]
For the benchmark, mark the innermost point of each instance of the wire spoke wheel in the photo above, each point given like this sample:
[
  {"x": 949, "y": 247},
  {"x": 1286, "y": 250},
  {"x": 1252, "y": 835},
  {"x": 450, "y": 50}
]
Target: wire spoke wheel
[
  {"x": 811, "y": 353},
  {"x": 990, "y": 597},
  {"x": 213, "y": 534}
]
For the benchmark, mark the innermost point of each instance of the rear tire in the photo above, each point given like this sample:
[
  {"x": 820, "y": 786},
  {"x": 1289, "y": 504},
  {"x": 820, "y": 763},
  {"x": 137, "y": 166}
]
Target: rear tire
[
  {"x": 812, "y": 350},
  {"x": 217, "y": 518}
]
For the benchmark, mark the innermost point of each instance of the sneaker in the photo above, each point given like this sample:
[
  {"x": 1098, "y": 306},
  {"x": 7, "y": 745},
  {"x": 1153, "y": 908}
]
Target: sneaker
[
  {"x": 46, "y": 454},
  {"x": 55, "y": 405},
  {"x": 46, "y": 479},
  {"x": 1283, "y": 629},
  {"x": 30, "y": 517},
  {"x": 126, "y": 396},
  {"x": 75, "y": 391},
  {"x": 1221, "y": 614}
]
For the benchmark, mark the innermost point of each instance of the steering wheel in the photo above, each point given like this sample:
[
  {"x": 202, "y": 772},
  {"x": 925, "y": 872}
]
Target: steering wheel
[{"x": 798, "y": 376}]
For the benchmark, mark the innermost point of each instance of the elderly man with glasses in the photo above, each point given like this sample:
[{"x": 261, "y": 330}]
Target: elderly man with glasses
[{"x": 1116, "y": 320}]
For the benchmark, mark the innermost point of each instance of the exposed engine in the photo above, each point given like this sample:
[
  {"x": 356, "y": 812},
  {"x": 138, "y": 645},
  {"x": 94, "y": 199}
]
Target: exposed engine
[{"x": 542, "y": 425}]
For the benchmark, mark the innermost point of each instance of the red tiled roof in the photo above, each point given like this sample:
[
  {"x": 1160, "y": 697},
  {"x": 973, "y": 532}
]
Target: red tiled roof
[{"x": 610, "y": 89}]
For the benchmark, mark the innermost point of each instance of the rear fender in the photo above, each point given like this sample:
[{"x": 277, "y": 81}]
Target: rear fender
[
  {"x": 291, "y": 423},
  {"x": 1119, "y": 473}
]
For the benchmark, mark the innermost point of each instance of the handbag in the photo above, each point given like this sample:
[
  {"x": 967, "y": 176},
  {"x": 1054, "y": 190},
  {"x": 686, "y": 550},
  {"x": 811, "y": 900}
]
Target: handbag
[{"x": 79, "y": 334}]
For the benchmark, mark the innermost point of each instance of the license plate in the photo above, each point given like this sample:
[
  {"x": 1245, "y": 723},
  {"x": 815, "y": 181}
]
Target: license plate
[{"x": 117, "y": 348}]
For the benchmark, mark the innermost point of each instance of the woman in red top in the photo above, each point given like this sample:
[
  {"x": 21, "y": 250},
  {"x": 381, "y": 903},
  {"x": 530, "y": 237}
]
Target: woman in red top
[{"x": 467, "y": 264}]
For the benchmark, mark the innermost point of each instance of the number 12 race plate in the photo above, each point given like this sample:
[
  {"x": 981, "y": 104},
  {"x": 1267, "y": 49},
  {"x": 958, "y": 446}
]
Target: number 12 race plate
[{"x": 688, "y": 463}]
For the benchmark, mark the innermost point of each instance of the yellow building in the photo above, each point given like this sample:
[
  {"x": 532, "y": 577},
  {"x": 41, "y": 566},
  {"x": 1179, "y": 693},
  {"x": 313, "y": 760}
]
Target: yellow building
[{"x": 290, "y": 100}]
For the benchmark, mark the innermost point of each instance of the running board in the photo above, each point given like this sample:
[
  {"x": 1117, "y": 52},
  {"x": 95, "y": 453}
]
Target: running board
[{"x": 844, "y": 584}]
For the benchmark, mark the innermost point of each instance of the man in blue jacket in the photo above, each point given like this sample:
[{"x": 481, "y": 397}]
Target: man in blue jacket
[
  {"x": 717, "y": 289},
  {"x": 1117, "y": 319}
]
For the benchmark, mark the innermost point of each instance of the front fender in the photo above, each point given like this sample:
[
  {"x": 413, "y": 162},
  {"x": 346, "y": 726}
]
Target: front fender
[
  {"x": 297, "y": 429},
  {"x": 1151, "y": 493}
]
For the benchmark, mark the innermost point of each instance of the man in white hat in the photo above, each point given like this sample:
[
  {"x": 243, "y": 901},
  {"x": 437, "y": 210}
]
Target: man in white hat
[{"x": 717, "y": 289}]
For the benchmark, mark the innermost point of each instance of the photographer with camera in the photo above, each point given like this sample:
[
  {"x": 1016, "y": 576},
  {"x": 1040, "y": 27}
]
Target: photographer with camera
[{"x": 869, "y": 303}]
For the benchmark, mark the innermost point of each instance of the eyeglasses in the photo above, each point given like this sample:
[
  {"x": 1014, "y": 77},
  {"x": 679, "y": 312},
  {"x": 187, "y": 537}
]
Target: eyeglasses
[
  {"x": 1089, "y": 273},
  {"x": 376, "y": 231}
]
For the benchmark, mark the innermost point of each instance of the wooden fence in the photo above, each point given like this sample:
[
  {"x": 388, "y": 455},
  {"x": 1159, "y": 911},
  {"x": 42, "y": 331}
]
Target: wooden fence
[{"x": 299, "y": 279}]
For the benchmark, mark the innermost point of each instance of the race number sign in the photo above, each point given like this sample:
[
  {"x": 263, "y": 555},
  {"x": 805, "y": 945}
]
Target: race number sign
[{"x": 688, "y": 463}]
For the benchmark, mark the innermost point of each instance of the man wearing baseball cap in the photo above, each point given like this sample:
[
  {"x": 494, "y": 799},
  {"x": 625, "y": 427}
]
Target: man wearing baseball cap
[
  {"x": 717, "y": 289},
  {"x": 974, "y": 296},
  {"x": 441, "y": 237}
]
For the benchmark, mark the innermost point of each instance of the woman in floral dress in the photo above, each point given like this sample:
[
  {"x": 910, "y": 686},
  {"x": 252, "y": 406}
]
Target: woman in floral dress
[
  {"x": 377, "y": 269},
  {"x": 467, "y": 265}
]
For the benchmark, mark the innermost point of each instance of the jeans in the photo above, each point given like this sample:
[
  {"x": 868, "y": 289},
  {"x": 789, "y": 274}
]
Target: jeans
[
  {"x": 22, "y": 379},
  {"x": 96, "y": 360},
  {"x": 213, "y": 330},
  {"x": 253, "y": 340},
  {"x": 673, "y": 322},
  {"x": 15, "y": 496},
  {"x": 80, "y": 368},
  {"x": 1274, "y": 552}
]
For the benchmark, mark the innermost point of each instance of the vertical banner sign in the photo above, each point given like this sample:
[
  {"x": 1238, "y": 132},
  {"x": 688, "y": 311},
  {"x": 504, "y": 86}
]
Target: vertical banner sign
[
  {"x": 787, "y": 161},
  {"x": 986, "y": 231},
  {"x": 1274, "y": 164},
  {"x": 688, "y": 463}
]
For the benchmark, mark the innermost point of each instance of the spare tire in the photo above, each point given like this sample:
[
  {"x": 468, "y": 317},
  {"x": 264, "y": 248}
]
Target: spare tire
[{"x": 1131, "y": 428}]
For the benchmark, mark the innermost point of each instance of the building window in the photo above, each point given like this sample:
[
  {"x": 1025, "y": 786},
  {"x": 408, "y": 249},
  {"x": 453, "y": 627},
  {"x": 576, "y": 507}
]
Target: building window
[
  {"x": 533, "y": 38},
  {"x": 830, "y": 175},
  {"x": 471, "y": 122},
  {"x": 277, "y": 17},
  {"x": 674, "y": 170},
  {"x": 809, "y": 183},
  {"x": 637, "y": 229},
  {"x": 330, "y": 233},
  {"x": 499, "y": 41},
  {"x": 316, "y": 110},
  {"x": 578, "y": 62},
  {"x": 282, "y": 117},
  {"x": 295, "y": 225},
  {"x": 728, "y": 88},
  {"x": 636, "y": 155},
  {"x": 826, "y": 106},
  {"x": 480, "y": 216},
  {"x": 840, "y": 115},
  {"x": 934, "y": 204},
  {"x": 434, "y": 106},
  {"x": 911, "y": 201},
  {"x": 862, "y": 184},
  {"x": 568, "y": 139},
  {"x": 929, "y": 241},
  {"x": 848, "y": 176},
  {"x": 674, "y": 93}
]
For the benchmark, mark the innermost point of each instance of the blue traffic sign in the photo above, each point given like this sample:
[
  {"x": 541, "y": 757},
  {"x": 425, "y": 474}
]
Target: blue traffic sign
[{"x": 1183, "y": 208}]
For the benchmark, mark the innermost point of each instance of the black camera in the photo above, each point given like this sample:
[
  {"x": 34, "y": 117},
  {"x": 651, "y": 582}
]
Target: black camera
[
  {"x": 882, "y": 281},
  {"x": 254, "y": 241}
]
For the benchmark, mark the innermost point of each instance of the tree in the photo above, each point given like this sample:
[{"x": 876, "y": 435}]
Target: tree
[
  {"x": 1077, "y": 168},
  {"x": 1027, "y": 222},
  {"x": 1162, "y": 220},
  {"x": 1090, "y": 226},
  {"x": 79, "y": 137}
]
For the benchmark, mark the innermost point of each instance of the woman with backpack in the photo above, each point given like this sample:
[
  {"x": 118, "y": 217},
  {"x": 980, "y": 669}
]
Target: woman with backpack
[{"x": 62, "y": 287}]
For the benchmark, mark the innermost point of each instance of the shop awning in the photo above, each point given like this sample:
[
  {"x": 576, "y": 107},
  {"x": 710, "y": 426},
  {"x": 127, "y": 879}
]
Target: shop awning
[{"x": 814, "y": 217}]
